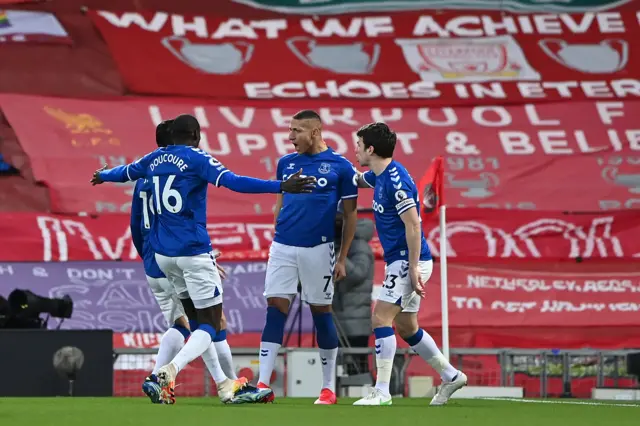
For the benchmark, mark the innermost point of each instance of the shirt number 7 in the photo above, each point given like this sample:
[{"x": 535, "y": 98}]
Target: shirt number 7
[{"x": 326, "y": 286}]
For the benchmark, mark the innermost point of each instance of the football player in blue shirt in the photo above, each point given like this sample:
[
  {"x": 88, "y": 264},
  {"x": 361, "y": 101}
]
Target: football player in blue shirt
[
  {"x": 179, "y": 176},
  {"x": 170, "y": 306},
  {"x": 396, "y": 210},
  {"x": 303, "y": 251},
  {"x": 142, "y": 211}
]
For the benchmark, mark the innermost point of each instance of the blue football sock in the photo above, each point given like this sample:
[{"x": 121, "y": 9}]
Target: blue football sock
[
  {"x": 327, "y": 338},
  {"x": 272, "y": 336}
]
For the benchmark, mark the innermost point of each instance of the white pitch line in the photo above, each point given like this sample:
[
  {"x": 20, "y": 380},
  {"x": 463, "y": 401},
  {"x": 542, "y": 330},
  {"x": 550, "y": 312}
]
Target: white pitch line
[{"x": 544, "y": 401}]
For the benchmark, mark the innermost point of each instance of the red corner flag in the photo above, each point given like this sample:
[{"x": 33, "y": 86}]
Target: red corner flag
[{"x": 431, "y": 187}]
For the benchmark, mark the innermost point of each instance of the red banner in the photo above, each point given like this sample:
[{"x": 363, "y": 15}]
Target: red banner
[
  {"x": 510, "y": 157},
  {"x": 22, "y": 26},
  {"x": 473, "y": 235},
  {"x": 445, "y": 58},
  {"x": 481, "y": 297}
]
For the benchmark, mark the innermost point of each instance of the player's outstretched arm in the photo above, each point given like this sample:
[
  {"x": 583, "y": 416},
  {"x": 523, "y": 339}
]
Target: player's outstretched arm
[
  {"x": 103, "y": 175},
  {"x": 214, "y": 172},
  {"x": 130, "y": 172},
  {"x": 211, "y": 170},
  {"x": 249, "y": 185}
]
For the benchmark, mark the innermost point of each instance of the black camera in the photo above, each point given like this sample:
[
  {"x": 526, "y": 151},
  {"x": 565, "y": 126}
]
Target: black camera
[{"x": 23, "y": 309}]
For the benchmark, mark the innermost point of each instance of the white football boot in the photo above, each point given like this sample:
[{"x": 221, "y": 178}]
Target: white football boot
[
  {"x": 447, "y": 389},
  {"x": 376, "y": 397}
]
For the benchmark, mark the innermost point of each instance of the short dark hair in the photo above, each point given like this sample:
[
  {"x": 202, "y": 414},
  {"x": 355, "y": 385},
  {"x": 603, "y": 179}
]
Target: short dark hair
[
  {"x": 380, "y": 137},
  {"x": 185, "y": 127},
  {"x": 163, "y": 133},
  {"x": 307, "y": 114}
]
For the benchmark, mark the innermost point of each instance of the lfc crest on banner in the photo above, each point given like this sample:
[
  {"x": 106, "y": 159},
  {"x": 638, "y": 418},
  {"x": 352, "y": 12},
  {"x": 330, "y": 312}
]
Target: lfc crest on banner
[{"x": 467, "y": 59}]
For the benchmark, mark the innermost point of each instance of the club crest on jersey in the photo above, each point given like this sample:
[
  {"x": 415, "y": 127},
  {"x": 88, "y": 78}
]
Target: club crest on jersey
[
  {"x": 291, "y": 166},
  {"x": 324, "y": 168}
]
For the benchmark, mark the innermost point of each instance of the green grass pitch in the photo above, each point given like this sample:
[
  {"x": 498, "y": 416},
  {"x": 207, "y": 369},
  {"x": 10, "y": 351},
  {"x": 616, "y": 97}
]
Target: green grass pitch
[{"x": 409, "y": 412}]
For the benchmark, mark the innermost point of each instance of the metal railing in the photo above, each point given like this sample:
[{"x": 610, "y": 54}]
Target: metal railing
[{"x": 542, "y": 363}]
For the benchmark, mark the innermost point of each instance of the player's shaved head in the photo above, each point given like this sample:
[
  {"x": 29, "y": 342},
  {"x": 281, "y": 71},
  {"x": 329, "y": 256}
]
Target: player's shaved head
[
  {"x": 185, "y": 130},
  {"x": 306, "y": 131},
  {"x": 163, "y": 133},
  {"x": 307, "y": 114}
]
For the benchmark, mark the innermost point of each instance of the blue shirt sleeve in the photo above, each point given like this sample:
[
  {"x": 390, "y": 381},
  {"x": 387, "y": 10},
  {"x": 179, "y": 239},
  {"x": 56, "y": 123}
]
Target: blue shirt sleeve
[
  {"x": 214, "y": 172},
  {"x": 369, "y": 178},
  {"x": 348, "y": 182},
  {"x": 136, "y": 219},
  {"x": 249, "y": 185},
  {"x": 401, "y": 193},
  {"x": 130, "y": 172},
  {"x": 117, "y": 174},
  {"x": 209, "y": 168}
]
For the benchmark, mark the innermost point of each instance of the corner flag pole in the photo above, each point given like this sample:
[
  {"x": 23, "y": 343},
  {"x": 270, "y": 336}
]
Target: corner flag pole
[
  {"x": 444, "y": 293},
  {"x": 432, "y": 190}
]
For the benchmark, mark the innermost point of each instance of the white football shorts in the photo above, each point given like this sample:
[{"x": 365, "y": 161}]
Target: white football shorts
[
  {"x": 194, "y": 277},
  {"x": 397, "y": 287},
  {"x": 312, "y": 267},
  {"x": 167, "y": 299}
]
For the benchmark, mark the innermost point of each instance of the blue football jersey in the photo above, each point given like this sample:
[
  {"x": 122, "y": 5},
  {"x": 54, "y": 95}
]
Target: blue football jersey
[
  {"x": 307, "y": 220},
  {"x": 142, "y": 212},
  {"x": 179, "y": 176},
  {"x": 395, "y": 192}
]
